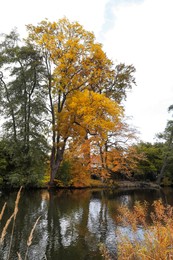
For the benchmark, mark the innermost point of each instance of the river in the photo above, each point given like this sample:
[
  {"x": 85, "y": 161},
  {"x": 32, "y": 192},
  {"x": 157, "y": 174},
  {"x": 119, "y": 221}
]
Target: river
[{"x": 73, "y": 222}]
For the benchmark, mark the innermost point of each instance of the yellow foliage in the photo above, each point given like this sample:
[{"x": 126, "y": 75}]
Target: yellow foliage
[
  {"x": 88, "y": 111},
  {"x": 80, "y": 174},
  {"x": 80, "y": 69},
  {"x": 157, "y": 239},
  {"x": 76, "y": 57},
  {"x": 124, "y": 161},
  {"x": 79, "y": 75}
]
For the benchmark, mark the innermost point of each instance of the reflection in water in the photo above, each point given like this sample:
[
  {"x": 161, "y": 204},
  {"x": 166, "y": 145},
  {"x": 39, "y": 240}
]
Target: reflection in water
[
  {"x": 72, "y": 223},
  {"x": 68, "y": 227},
  {"x": 125, "y": 200},
  {"x": 93, "y": 217}
]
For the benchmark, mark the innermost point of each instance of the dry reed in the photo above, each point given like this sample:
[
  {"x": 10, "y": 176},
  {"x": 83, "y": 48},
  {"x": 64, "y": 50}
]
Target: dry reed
[
  {"x": 12, "y": 217},
  {"x": 19, "y": 256},
  {"x": 2, "y": 211},
  {"x": 4, "y": 231},
  {"x": 17, "y": 203},
  {"x": 30, "y": 238},
  {"x": 156, "y": 241}
]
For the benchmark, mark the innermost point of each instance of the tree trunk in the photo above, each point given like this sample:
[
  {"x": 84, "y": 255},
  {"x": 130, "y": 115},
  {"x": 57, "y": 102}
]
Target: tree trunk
[
  {"x": 53, "y": 171},
  {"x": 161, "y": 174},
  {"x": 55, "y": 161}
]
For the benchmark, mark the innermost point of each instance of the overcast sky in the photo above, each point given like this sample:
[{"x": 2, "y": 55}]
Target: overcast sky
[{"x": 138, "y": 32}]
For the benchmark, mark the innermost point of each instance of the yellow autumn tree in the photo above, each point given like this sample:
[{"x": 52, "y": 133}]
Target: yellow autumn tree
[
  {"x": 73, "y": 62},
  {"x": 80, "y": 81},
  {"x": 87, "y": 118},
  {"x": 116, "y": 153}
]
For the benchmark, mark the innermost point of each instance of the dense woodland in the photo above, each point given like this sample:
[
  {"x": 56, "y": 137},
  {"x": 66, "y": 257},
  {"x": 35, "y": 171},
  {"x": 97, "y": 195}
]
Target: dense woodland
[{"x": 62, "y": 114}]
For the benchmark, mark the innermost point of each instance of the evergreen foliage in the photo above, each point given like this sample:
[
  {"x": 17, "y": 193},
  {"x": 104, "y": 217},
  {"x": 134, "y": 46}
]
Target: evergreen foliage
[{"x": 23, "y": 107}]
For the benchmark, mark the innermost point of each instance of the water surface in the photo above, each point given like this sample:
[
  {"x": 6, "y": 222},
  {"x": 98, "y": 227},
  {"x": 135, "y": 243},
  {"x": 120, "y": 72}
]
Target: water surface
[{"x": 73, "y": 222}]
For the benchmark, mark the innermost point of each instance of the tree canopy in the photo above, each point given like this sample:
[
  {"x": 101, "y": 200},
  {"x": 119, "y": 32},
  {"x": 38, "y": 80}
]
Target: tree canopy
[
  {"x": 23, "y": 106},
  {"x": 59, "y": 83},
  {"x": 85, "y": 88}
]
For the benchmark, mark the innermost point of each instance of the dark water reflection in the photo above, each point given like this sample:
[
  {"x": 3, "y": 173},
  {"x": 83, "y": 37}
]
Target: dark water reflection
[{"x": 73, "y": 222}]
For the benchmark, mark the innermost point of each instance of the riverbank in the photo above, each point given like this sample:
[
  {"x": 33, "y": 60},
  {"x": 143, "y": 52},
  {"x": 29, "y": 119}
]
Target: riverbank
[
  {"x": 95, "y": 184},
  {"x": 138, "y": 184},
  {"x": 110, "y": 185}
]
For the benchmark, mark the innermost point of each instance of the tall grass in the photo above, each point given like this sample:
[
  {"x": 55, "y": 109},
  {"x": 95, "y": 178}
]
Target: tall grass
[
  {"x": 156, "y": 239},
  {"x": 2, "y": 211},
  {"x": 12, "y": 219},
  {"x": 30, "y": 238}
]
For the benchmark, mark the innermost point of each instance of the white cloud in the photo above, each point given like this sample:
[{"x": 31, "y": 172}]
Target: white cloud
[
  {"x": 142, "y": 36},
  {"x": 21, "y": 12}
]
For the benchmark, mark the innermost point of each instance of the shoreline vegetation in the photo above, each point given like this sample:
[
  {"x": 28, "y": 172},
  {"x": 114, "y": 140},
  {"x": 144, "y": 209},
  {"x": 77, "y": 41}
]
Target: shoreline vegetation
[
  {"x": 154, "y": 242},
  {"x": 95, "y": 184},
  {"x": 109, "y": 184},
  {"x": 116, "y": 185}
]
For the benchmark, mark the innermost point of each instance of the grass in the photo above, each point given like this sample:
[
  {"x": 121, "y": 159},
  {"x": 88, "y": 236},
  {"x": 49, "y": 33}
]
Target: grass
[
  {"x": 156, "y": 240},
  {"x": 12, "y": 219}
]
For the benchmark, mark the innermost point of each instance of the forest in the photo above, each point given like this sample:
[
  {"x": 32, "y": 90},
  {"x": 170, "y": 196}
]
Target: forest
[{"x": 63, "y": 121}]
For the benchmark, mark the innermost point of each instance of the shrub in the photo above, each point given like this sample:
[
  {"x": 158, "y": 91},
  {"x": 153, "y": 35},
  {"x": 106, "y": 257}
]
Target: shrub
[
  {"x": 144, "y": 236},
  {"x": 156, "y": 240}
]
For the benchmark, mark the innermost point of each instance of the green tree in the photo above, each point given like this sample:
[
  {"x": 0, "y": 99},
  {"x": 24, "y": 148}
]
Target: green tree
[
  {"x": 23, "y": 106},
  {"x": 167, "y": 137},
  {"x": 150, "y": 166},
  {"x": 3, "y": 162}
]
